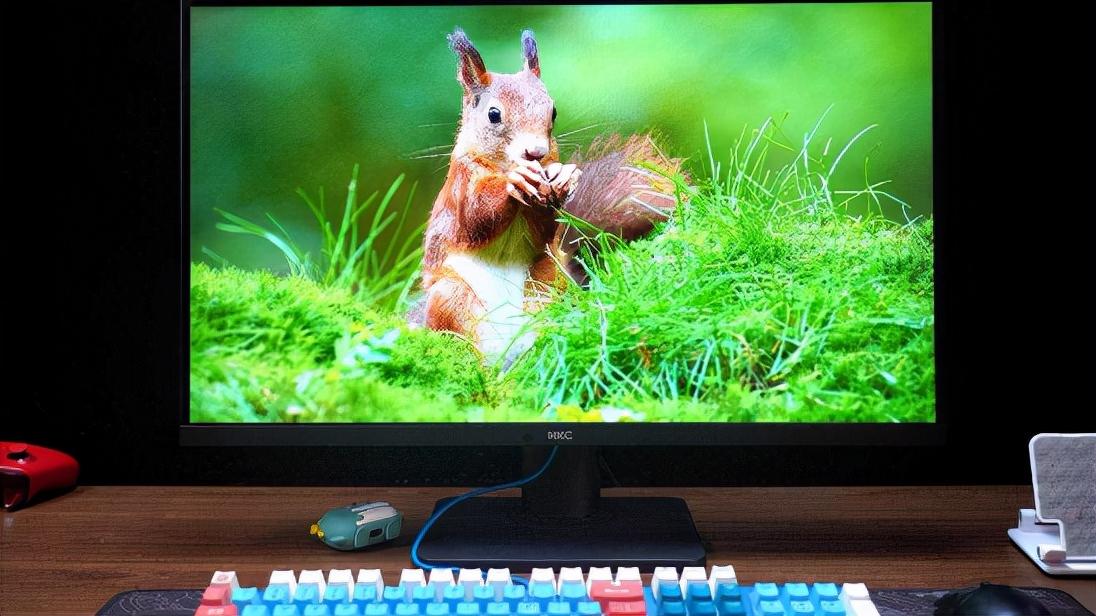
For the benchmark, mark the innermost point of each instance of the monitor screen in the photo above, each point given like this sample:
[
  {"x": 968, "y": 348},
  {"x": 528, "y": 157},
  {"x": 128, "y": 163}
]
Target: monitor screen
[{"x": 716, "y": 214}]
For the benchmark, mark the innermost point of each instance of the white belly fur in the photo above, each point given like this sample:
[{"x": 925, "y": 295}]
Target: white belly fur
[{"x": 497, "y": 275}]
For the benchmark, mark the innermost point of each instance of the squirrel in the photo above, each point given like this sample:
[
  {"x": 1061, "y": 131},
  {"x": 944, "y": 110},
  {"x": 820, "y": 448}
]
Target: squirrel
[{"x": 493, "y": 247}]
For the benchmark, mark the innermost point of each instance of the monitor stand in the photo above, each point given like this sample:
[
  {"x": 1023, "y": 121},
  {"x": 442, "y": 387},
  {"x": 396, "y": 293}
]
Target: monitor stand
[{"x": 561, "y": 520}]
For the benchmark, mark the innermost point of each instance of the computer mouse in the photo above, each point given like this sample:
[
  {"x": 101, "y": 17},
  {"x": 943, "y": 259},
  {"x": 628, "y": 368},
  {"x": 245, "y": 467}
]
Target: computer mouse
[
  {"x": 989, "y": 600},
  {"x": 357, "y": 526}
]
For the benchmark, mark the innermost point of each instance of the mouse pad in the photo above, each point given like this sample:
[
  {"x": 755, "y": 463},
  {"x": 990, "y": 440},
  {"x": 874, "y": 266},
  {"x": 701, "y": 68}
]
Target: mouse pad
[{"x": 889, "y": 602}]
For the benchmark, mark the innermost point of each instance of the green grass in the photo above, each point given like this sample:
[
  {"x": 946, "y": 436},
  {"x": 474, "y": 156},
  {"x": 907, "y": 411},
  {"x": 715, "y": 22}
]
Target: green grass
[{"x": 764, "y": 299}]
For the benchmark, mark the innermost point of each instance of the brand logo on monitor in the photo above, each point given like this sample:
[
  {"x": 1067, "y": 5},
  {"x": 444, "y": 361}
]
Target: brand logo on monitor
[{"x": 561, "y": 435}]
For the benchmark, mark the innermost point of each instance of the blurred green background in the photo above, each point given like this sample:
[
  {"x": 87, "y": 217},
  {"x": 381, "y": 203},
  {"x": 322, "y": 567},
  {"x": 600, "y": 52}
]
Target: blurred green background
[{"x": 292, "y": 97}]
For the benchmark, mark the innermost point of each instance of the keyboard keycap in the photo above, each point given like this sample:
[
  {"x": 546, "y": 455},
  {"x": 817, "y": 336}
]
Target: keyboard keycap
[
  {"x": 732, "y": 608},
  {"x": 318, "y": 609},
  {"x": 242, "y": 597},
  {"x": 528, "y": 608},
  {"x": 767, "y": 591},
  {"x": 825, "y": 591},
  {"x": 341, "y": 577},
  {"x": 376, "y": 609},
  {"x": 437, "y": 609},
  {"x": 469, "y": 608},
  {"x": 671, "y": 608},
  {"x": 347, "y": 609},
  {"x": 286, "y": 610},
  {"x": 558, "y": 608},
  {"x": 670, "y": 593},
  {"x": 335, "y": 595},
  {"x": 365, "y": 593},
  {"x": 498, "y": 608},
  {"x": 588, "y": 608},
  {"x": 216, "y": 595},
  {"x": 663, "y": 577},
  {"x": 602, "y": 591},
  {"x": 307, "y": 594},
  {"x": 572, "y": 592},
  {"x": 801, "y": 607},
  {"x": 313, "y": 576},
  {"x": 218, "y": 610},
  {"x": 255, "y": 610},
  {"x": 407, "y": 609},
  {"x": 772, "y": 608},
  {"x": 598, "y": 574},
  {"x": 371, "y": 577},
  {"x": 289, "y": 578},
  {"x": 571, "y": 574},
  {"x": 225, "y": 578},
  {"x": 628, "y": 608},
  {"x": 276, "y": 594}
]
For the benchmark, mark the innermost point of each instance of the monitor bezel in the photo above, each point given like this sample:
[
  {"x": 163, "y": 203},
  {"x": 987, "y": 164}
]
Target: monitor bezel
[{"x": 540, "y": 433}]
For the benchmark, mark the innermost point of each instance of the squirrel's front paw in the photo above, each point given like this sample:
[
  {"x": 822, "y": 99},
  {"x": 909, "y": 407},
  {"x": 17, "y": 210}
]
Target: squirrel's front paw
[
  {"x": 562, "y": 180},
  {"x": 527, "y": 184}
]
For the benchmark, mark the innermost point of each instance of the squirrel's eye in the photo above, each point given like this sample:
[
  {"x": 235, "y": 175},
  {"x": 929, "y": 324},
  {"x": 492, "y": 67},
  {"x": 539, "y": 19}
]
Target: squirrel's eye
[
  {"x": 553, "y": 114},
  {"x": 494, "y": 115}
]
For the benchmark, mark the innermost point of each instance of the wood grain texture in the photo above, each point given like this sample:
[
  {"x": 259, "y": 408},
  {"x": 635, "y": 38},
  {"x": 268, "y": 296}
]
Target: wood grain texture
[{"x": 70, "y": 554}]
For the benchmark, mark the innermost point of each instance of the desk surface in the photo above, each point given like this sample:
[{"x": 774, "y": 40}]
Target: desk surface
[{"x": 70, "y": 554}]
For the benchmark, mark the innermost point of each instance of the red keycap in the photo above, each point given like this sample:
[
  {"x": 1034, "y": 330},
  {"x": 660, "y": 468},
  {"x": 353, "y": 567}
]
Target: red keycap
[
  {"x": 219, "y": 594},
  {"x": 626, "y": 608},
  {"x": 604, "y": 591},
  {"x": 216, "y": 610}
]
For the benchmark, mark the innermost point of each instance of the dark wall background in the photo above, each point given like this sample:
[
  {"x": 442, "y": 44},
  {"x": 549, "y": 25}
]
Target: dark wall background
[{"x": 90, "y": 121}]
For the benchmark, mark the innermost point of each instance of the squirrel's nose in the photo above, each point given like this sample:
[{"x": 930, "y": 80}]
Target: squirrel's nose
[{"x": 536, "y": 153}]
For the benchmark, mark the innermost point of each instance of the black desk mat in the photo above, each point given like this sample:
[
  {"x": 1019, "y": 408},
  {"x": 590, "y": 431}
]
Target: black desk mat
[{"x": 905, "y": 602}]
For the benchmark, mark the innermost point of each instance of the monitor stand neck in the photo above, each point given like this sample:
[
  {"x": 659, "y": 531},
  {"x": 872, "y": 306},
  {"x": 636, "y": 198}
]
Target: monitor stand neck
[
  {"x": 570, "y": 488},
  {"x": 562, "y": 521}
]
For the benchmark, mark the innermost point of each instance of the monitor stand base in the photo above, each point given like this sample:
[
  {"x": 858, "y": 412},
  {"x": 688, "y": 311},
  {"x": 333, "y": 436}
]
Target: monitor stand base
[
  {"x": 562, "y": 521},
  {"x": 495, "y": 533}
]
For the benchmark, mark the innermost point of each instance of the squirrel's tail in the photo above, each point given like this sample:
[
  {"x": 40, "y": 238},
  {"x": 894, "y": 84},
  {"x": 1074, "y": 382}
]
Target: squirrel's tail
[{"x": 617, "y": 194}]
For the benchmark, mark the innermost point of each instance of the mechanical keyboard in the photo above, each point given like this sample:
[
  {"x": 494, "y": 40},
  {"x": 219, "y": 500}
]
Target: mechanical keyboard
[{"x": 471, "y": 592}]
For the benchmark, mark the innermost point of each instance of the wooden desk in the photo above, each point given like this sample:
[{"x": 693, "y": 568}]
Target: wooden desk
[{"x": 70, "y": 554}]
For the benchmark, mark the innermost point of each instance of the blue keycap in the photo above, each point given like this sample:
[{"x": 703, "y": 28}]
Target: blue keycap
[
  {"x": 498, "y": 608},
  {"x": 832, "y": 608},
  {"x": 468, "y": 609},
  {"x": 513, "y": 595},
  {"x": 671, "y": 608},
  {"x": 318, "y": 609},
  {"x": 669, "y": 592},
  {"x": 242, "y": 597},
  {"x": 347, "y": 609},
  {"x": 771, "y": 608},
  {"x": 825, "y": 591},
  {"x": 452, "y": 595},
  {"x": 702, "y": 608},
  {"x": 306, "y": 594},
  {"x": 437, "y": 609},
  {"x": 541, "y": 593},
  {"x": 423, "y": 594},
  {"x": 700, "y": 591},
  {"x": 286, "y": 610},
  {"x": 558, "y": 608},
  {"x": 365, "y": 593},
  {"x": 394, "y": 595},
  {"x": 407, "y": 609},
  {"x": 732, "y": 608},
  {"x": 728, "y": 592},
  {"x": 572, "y": 592},
  {"x": 256, "y": 610},
  {"x": 797, "y": 591},
  {"x": 483, "y": 594},
  {"x": 767, "y": 591},
  {"x": 588, "y": 608},
  {"x": 335, "y": 594},
  {"x": 528, "y": 608},
  {"x": 376, "y": 609},
  {"x": 276, "y": 594},
  {"x": 801, "y": 607}
]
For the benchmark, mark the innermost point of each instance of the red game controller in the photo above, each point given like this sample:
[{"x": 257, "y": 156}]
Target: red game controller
[{"x": 28, "y": 470}]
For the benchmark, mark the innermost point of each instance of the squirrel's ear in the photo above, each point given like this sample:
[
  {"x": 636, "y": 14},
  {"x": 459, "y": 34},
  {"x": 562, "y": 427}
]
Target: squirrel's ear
[
  {"x": 471, "y": 72},
  {"x": 529, "y": 50}
]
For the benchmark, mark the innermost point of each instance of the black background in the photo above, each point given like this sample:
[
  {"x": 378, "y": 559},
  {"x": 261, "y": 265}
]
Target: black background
[{"x": 90, "y": 194}]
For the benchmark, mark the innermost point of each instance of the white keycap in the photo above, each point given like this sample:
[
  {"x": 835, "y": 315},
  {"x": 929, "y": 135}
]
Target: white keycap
[
  {"x": 857, "y": 601},
  {"x": 721, "y": 574},
  {"x": 543, "y": 575},
  {"x": 413, "y": 577},
  {"x": 440, "y": 579},
  {"x": 499, "y": 578},
  {"x": 314, "y": 576},
  {"x": 288, "y": 578},
  {"x": 598, "y": 574},
  {"x": 628, "y": 574},
  {"x": 690, "y": 575},
  {"x": 225, "y": 577},
  {"x": 571, "y": 574},
  {"x": 344, "y": 577},
  {"x": 469, "y": 579},
  {"x": 662, "y": 575},
  {"x": 372, "y": 577}
]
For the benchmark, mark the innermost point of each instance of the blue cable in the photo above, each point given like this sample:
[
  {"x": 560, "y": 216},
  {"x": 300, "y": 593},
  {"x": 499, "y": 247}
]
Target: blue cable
[{"x": 472, "y": 494}]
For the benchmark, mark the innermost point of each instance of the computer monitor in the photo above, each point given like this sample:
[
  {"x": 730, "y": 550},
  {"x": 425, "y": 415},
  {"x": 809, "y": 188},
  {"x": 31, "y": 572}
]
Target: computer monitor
[{"x": 573, "y": 226}]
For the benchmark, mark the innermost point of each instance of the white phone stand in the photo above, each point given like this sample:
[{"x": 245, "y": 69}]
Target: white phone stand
[{"x": 1059, "y": 535}]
